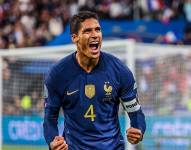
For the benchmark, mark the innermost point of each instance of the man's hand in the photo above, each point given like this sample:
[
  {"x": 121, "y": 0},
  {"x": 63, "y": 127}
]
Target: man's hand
[
  {"x": 58, "y": 143},
  {"x": 134, "y": 135}
]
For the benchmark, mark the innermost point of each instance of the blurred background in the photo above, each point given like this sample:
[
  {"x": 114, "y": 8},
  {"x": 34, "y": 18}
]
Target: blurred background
[{"x": 35, "y": 34}]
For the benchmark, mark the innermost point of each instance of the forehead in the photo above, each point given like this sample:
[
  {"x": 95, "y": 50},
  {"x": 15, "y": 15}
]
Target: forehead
[{"x": 89, "y": 23}]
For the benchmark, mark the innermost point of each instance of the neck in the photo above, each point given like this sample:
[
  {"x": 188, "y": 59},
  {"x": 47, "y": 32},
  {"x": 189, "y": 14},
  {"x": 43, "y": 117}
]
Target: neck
[{"x": 86, "y": 63}]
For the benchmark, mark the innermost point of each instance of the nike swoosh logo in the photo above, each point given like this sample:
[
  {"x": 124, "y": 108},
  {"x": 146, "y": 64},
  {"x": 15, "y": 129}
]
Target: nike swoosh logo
[{"x": 70, "y": 93}]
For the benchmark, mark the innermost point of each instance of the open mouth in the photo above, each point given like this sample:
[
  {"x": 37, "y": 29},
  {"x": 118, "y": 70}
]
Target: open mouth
[{"x": 94, "y": 45}]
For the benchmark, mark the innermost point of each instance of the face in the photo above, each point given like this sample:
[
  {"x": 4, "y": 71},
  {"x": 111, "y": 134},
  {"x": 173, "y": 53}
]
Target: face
[{"x": 89, "y": 39}]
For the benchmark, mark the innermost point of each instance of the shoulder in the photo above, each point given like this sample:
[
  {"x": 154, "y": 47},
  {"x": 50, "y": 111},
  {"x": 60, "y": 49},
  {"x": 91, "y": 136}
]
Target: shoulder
[
  {"x": 63, "y": 64},
  {"x": 109, "y": 56},
  {"x": 114, "y": 62},
  {"x": 60, "y": 69}
]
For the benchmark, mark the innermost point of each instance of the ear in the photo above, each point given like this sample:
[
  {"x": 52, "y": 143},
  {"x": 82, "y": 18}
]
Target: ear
[{"x": 75, "y": 38}]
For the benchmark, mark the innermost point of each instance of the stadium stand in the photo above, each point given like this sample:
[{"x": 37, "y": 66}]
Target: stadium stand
[{"x": 27, "y": 23}]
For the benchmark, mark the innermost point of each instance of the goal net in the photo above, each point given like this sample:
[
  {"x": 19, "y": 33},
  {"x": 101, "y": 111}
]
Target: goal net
[
  {"x": 21, "y": 89},
  {"x": 163, "y": 75}
]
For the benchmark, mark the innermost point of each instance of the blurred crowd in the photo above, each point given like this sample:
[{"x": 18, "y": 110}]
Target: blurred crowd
[
  {"x": 27, "y": 23},
  {"x": 165, "y": 84},
  {"x": 22, "y": 92}
]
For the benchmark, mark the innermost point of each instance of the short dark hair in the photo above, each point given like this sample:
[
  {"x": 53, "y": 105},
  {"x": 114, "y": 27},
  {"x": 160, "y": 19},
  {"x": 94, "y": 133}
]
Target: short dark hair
[{"x": 77, "y": 19}]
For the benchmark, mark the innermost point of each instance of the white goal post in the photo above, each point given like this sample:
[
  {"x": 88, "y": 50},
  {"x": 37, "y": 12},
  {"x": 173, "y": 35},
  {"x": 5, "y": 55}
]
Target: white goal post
[
  {"x": 160, "y": 71},
  {"x": 120, "y": 48}
]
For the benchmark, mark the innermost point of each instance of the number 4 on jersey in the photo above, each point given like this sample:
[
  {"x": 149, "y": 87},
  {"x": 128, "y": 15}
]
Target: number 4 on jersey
[{"x": 90, "y": 113}]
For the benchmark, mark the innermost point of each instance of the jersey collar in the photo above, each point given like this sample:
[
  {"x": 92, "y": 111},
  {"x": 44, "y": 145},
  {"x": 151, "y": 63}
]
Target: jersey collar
[{"x": 98, "y": 67}]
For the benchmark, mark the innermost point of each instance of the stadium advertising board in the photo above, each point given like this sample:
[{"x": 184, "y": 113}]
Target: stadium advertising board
[
  {"x": 28, "y": 130},
  {"x": 165, "y": 131},
  {"x": 168, "y": 132},
  {"x": 22, "y": 130}
]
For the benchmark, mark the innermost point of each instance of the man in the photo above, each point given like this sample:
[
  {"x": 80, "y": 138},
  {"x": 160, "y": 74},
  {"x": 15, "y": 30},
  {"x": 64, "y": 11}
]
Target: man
[{"x": 89, "y": 85}]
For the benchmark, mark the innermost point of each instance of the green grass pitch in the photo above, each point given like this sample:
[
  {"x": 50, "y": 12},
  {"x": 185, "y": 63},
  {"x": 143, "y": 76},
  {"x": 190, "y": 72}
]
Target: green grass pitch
[{"x": 26, "y": 147}]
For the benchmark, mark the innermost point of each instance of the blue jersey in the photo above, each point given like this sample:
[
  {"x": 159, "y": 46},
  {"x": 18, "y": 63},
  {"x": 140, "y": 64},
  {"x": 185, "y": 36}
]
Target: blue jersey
[{"x": 90, "y": 102}]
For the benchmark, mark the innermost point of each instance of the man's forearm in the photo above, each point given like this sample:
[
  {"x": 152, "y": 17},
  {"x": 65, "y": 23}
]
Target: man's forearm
[
  {"x": 50, "y": 124},
  {"x": 137, "y": 119}
]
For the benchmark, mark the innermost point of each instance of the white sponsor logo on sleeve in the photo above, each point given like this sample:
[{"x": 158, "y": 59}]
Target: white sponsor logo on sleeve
[{"x": 131, "y": 106}]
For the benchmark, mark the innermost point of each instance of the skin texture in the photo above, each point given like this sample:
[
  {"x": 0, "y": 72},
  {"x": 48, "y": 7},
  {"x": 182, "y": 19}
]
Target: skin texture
[
  {"x": 88, "y": 33},
  {"x": 58, "y": 143},
  {"x": 134, "y": 135}
]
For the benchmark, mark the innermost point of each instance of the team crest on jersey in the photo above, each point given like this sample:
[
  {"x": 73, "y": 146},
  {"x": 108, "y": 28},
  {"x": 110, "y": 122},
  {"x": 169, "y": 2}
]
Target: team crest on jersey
[
  {"x": 90, "y": 90},
  {"x": 107, "y": 88}
]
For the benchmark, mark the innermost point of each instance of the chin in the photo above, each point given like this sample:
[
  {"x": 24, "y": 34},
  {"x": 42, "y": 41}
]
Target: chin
[{"x": 95, "y": 55}]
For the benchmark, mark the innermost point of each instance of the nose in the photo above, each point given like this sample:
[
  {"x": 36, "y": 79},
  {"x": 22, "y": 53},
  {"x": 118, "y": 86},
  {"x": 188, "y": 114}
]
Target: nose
[{"x": 94, "y": 34}]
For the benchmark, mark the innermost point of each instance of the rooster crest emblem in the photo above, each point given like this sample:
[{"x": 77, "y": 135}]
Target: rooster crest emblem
[{"x": 107, "y": 88}]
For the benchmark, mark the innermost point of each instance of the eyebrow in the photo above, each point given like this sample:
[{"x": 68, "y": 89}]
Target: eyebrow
[{"x": 89, "y": 29}]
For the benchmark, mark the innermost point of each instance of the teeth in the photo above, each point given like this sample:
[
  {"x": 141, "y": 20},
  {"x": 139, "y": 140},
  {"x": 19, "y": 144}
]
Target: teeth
[{"x": 94, "y": 43}]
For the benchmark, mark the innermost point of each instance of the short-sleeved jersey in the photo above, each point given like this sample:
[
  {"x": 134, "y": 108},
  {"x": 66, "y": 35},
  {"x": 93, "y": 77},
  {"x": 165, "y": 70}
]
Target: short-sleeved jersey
[{"x": 90, "y": 102}]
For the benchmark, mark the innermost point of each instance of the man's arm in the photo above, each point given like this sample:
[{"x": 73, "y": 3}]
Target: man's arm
[
  {"x": 50, "y": 123},
  {"x": 137, "y": 121},
  {"x": 53, "y": 102},
  {"x": 51, "y": 112},
  {"x": 138, "y": 126},
  {"x": 129, "y": 99}
]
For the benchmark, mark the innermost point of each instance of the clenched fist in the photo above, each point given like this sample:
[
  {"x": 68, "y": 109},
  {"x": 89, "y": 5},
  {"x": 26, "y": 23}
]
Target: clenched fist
[
  {"x": 134, "y": 135},
  {"x": 58, "y": 143}
]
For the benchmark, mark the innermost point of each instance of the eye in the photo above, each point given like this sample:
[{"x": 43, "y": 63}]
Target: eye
[
  {"x": 87, "y": 30},
  {"x": 98, "y": 29}
]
